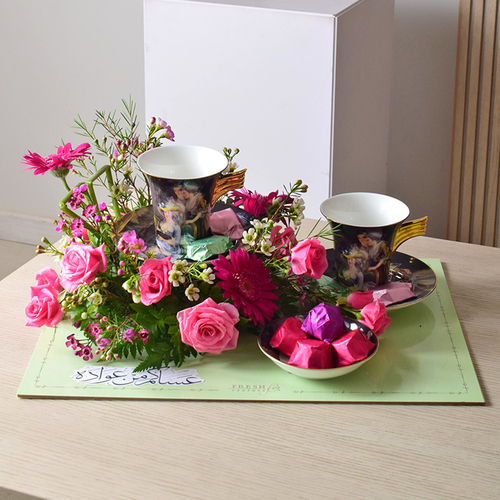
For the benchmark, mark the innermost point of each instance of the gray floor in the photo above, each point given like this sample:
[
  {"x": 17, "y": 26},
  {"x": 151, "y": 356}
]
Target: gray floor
[{"x": 14, "y": 255}]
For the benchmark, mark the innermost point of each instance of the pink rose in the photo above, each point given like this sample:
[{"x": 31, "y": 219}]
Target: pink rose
[
  {"x": 358, "y": 300},
  {"x": 154, "y": 284},
  {"x": 309, "y": 258},
  {"x": 374, "y": 316},
  {"x": 48, "y": 276},
  {"x": 80, "y": 264},
  {"x": 209, "y": 327},
  {"x": 44, "y": 308}
]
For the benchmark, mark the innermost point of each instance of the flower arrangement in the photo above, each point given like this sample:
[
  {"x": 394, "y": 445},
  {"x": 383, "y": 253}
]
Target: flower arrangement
[{"x": 125, "y": 302}]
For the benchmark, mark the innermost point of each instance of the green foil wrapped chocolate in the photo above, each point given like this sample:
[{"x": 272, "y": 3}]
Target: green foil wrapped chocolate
[{"x": 205, "y": 248}]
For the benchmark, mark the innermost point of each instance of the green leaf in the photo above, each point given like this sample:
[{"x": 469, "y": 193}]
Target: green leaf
[{"x": 153, "y": 361}]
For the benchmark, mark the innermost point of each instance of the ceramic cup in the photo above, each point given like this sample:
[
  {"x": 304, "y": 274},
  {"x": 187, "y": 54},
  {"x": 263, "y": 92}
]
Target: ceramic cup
[
  {"x": 369, "y": 229},
  {"x": 182, "y": 180}
]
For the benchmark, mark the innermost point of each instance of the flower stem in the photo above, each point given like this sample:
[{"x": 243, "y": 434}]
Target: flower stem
[{"x": 65, "y": 183}]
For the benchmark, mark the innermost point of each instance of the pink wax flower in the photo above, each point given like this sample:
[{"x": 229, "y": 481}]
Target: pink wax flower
[
  {"x": 77, "y": 228},
  {"x": 154, "y": 283},
  {"x": 80, "y": 264},
  {"x": 77, "y": 196},
  {"x": 72, "y": 342},
  {"x": 374, "y": 316},
  {"x": 358, "y": 300},
  {"x": 89, "y": 211},
  {"x": 94, "y": 330},
  {"x": 309, "y": 258},
  {"x": 128, "y": 335},
  {"x": 246, "y": 282},
  {"x": 60, "y": 160},
  {"x": 162, "y": 124},
  {"x": 60, "y": 225},
  {"x": 143, "y": 335},
  {"x": 132, "y": 242},
  {"x": 48, "y": 276},
  {"x": 85, "y": 352},
  {"x": 44, "y": 308},
  {"x": 209, "y": 327}
]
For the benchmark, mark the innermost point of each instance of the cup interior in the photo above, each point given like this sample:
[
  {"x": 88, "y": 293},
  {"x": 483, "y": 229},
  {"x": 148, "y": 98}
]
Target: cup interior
[
  {"x": 364, "y": 209},
  {"x": 182, "y": 162}
]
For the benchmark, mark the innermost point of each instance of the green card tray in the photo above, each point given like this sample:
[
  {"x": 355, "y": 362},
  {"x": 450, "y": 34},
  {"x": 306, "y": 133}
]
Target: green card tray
[{"x": 422, "y": 358}]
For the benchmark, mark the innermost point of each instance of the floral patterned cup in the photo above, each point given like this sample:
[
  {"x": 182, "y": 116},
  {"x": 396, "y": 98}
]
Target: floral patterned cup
[
  {"x": 369, "y": 228},
  {"x": 182, "y": 180}
]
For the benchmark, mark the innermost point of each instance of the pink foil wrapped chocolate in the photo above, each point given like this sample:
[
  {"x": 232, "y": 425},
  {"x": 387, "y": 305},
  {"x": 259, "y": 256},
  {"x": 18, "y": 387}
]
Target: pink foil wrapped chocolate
[
  {"x": 393, "y": 293},
  {"x": 324, "y": 322},
  {"x": 312, "y": 353},
  {"x": 287, "y": 335},
  {"x": 226, "y": 223},
  {"x": 351, "y": 347}
]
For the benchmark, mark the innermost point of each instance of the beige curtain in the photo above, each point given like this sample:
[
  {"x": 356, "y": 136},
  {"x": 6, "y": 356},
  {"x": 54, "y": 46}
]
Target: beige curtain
[{"x": 474, "y": 204}]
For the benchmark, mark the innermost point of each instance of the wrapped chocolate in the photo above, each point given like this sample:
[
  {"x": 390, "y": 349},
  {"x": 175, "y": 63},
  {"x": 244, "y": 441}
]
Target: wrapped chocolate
[
  {"x": 205, "y": 248},
  {"x": 324, "y": 322},
  {"x": 287, "y": 335},
  {"x": 351, "y": 347},
  {"x": 393, "y": 292},
  {"x": 226, "y": 223},
  {"x": 312, "y": 353}
]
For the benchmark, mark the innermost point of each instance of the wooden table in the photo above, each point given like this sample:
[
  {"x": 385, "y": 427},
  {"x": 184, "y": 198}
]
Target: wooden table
[{"x": 93, "y": 449}]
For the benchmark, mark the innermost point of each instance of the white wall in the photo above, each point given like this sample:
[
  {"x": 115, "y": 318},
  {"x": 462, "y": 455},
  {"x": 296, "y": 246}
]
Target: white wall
[
  {"x": 62, "y": 58},
  {"x": 59, "y": 59}
]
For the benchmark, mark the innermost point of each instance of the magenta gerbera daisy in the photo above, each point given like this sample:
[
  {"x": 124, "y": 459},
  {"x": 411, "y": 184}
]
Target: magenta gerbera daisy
[
  {"x": 246, "y": 282},
  {"x": 60, "y": 160}
]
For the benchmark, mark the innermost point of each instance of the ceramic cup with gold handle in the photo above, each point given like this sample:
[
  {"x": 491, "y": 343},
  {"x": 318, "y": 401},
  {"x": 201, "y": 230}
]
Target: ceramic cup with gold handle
[
  {"x": 369, "y": 229},
  {"x": 184, "y": 181}
]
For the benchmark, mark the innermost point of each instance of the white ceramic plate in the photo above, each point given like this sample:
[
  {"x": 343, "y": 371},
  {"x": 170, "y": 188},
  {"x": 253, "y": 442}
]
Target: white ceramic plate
[{"x": 280, "y": 360}]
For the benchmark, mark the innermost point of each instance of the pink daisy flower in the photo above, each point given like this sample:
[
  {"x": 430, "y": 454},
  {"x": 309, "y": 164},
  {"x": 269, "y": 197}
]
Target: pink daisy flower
[
  {"x": 246, "y": 282},
  {"x": 62, "y": 159}
]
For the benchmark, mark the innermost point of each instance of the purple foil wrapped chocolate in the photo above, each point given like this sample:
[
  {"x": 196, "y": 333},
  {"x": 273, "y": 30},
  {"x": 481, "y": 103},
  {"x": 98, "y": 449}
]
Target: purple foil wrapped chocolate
[
  {"x": 287, "y": 335},
  {"x": 324, "y": 322},
  {"x": 351, "y": 347},
  {"x": 312, "y": 353},
  {"x": 226, "y": 223}
]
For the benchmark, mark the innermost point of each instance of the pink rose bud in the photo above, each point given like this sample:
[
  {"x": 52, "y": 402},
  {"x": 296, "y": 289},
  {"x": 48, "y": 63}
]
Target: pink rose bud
[
  {"x": 287, "y": 335},
  {"x": 309, "y": 258},
  {"x": 374, "y": 316},
  {"x": 312, "y": 353},
  {"x": 358, "y": 300},
  {"x": 48, "y": 276},
  {"x": 352, "y": 347},
  {"x": 325, "y": 322},
  {"x": 154, "y": 283}
]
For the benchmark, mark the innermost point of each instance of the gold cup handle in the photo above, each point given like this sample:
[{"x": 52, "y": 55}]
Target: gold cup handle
[
  {"x": 409, "y": 230},
  {"x": 226, "y": 183}
]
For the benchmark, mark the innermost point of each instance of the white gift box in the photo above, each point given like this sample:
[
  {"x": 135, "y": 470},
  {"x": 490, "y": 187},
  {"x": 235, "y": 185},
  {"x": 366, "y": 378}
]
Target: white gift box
[{"x": 301, "y": 87}]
